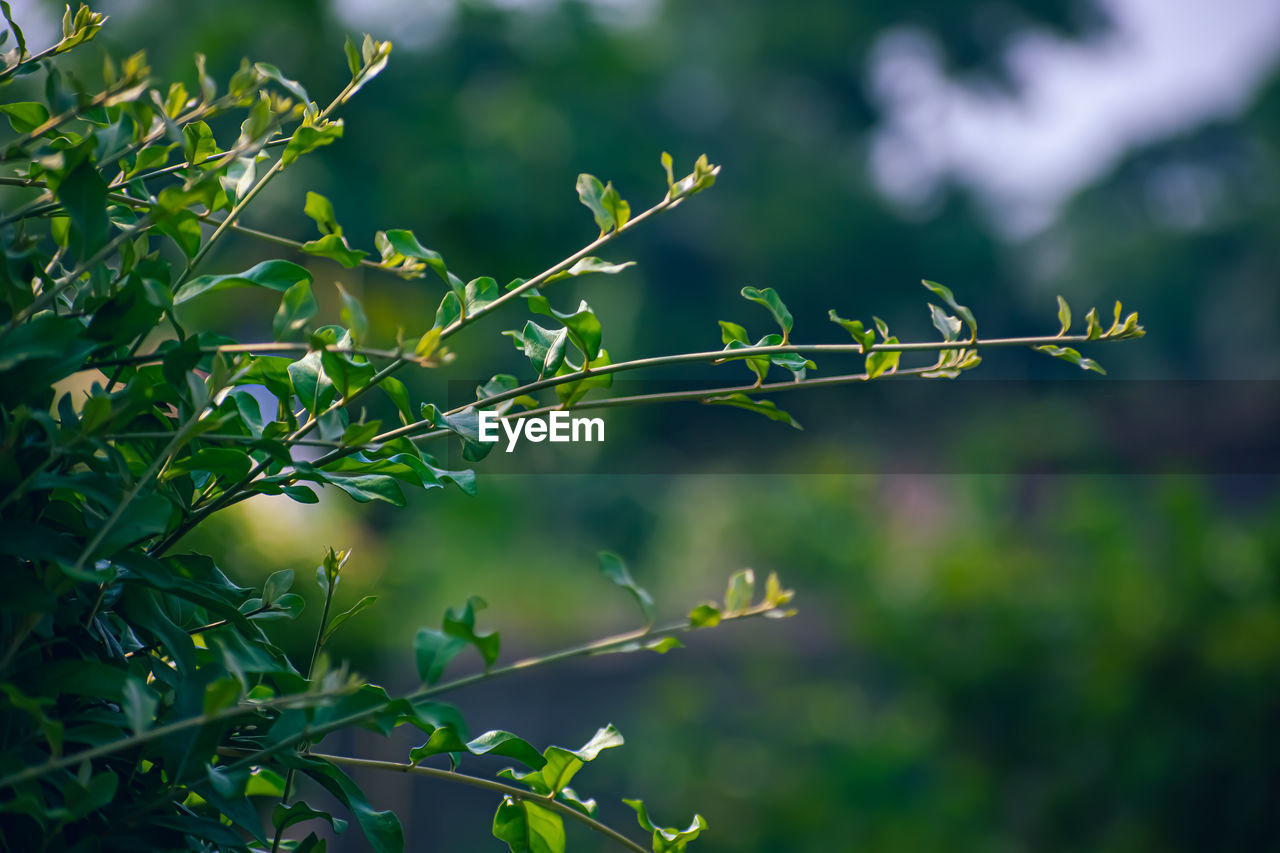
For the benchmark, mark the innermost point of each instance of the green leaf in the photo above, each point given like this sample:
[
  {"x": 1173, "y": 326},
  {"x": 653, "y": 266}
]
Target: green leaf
[
  {"x": 1064, "y": 316},
  {"x": 314, "y": 389},
  {"x": 399, "y": 394},
  {"x": 277, "y": 585},
  {"x": 769, "y": 299},
  {"x": 307, "y": 138},
  {"x": 586, "y": 266},
  {"x": 25, "y": 116},
  {"x": 403, "y": 243},
  {"x": 139, "y": 705},
  {"x": 460, "y": 622},
  {"x": 297, "y": 306},
  {"x": 433, "y": 650},
  {"x": 591, "y": 193},
  {"x": 527, "y": 827},
  {"x": 283, "y": 817},
  {"x": 740, "y": 592},
  {"x": 353, "y": 56},
  {"x": 762, "y": 407},
  {"x": 618, "y": 209},
  {"x": 507, "y": 745},
  {"x": 583, "y": 325},
  {"x": 381, "y": 828},
  {"x": 338, "y": 621},
  {"x": 569, "y": 393},
  {"x": 273, "y": 275},
  {"x": 320, "y": 209},
  {"x": 335, "y": 248},
  {"x": 705, "y": 616},
  {"x": 367, "y": 487},
  {"x": 669, "y": 839},
  {"x": 1069, "y": 355},
  {"x": 948, "y": 325},
  {"x": 292, "y": 86},
  {"x": 864, "y": 337},
  {"x": 883, "y": 361},
  {"x": 612, "y": 567},
  {"x": 543, "y": 347},
  {"x": 946, "y": 296},
  {"x": 83, "y": 194},
  {"x": 563, "y": 764},
  {"x": 353, "y": 315}
]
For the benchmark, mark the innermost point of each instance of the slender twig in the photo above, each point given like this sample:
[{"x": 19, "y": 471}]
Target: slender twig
[
  {"x": 265, "y": 347},
  {"x": 35, "y": 771},
  {"x": 35, "y": 57},
  {"x": 216, "y": 436},
  {"x": 608, "y": 644},
  {"x": 48, "y": 296},
  {"x": 53, "y": 122},
  {"x": 259, "y": 186},
  {"x": 200, "y": 630},
  {"x": 234, "y": 494},
  {"x": 546, "y": 802}
]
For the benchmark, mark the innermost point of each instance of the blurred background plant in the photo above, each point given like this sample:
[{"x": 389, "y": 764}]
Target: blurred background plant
[{"x": 1012, "y": 662}]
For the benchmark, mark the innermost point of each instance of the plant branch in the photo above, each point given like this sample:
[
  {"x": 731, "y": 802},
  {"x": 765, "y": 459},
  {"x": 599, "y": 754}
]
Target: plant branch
[
  {"x": 511, "y": 791},
  {"x": 35, "y": 771}
]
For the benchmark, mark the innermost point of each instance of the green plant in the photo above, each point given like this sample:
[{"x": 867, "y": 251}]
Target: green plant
[{"x": 145, "y": 703}]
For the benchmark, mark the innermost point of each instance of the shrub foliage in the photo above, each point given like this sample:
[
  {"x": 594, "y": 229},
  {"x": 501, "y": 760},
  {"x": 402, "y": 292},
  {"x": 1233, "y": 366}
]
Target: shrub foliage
[{"x": 145, "y": 704}]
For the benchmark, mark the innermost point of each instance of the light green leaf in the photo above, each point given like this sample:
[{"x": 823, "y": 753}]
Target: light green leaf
[
  {"x": 740, "y": 592},
  {"x": 591, "y": 193},
  {"x": 946, "y": 296},
  {"x": 1064, "y": 316},
  {"x": 612, "y": 567},
  {"x": 667, "y": 839},
  {"x": 590, "y": 265},
  {"x": 1069, "y": 355},
  {"x": 863, "y": 336},
  {"x": 705, "y": 616},
  {"x": 527, "y": 827}
]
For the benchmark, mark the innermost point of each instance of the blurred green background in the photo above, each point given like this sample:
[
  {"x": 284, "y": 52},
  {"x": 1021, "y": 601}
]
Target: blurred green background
[{"x": 981, "y": 662}]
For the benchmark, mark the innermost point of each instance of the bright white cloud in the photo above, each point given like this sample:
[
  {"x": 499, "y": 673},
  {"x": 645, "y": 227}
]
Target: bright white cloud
[{"x": 1165, "y": 67}]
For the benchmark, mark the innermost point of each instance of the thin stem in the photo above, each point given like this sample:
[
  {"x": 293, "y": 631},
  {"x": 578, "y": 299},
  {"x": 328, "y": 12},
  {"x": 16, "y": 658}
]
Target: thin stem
[
  {"x": 425, "y": 428},
  {"x": 202, "y": 629},
  {"x": 276, "y": 168},
  {"x": 70, "y": 278},
  {"x": 40, "y": 130},
  {"x": 179, "y": 438},
  {"x": 311, "y": 667},
  {"x": 35, "y": 57},
  {"x": 511, "y": 791},
  {"x": 215, "y": 436},
  {"x": 236, "y": 493},
  {"x": 35, "y": 771},
  {"x": 608, "y": 644},
  {"x": 265, "y": 347}
]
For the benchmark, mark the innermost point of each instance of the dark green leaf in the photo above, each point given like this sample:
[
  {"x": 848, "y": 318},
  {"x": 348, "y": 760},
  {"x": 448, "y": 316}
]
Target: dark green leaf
[
  {"x": 297, "y": 306},
  {"x": 763, "y": 407}
]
